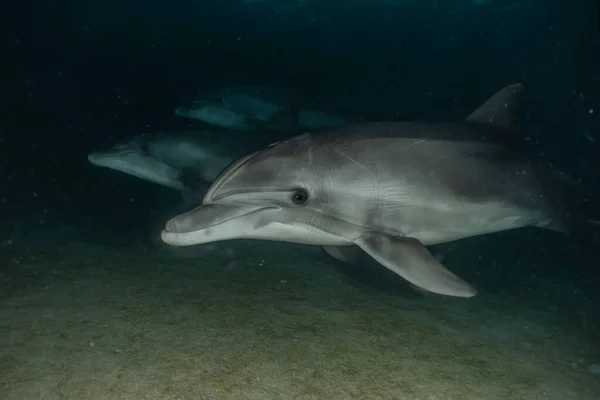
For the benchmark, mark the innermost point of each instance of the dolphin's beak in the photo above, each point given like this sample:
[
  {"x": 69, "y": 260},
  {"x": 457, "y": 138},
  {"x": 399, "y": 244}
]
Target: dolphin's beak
[
  {"x": 95, "y": 158},
  {"x": 181, "y": 112},
  {"x": 212, "y": 223}
]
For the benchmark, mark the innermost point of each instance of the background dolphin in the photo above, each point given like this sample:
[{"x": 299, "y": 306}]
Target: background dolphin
[
  {"x": 251, "y": 108},
  {"x": 185, "y": 161},
  {"x": 389, "y": 188}
]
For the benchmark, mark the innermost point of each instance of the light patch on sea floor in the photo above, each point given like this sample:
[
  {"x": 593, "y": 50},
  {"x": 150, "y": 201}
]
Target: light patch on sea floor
[{"x": 88, "y": 322}]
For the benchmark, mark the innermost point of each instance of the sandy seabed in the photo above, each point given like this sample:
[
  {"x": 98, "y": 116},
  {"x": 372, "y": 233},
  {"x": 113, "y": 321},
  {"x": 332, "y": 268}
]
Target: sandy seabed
[{"x": 90, "y": 322}]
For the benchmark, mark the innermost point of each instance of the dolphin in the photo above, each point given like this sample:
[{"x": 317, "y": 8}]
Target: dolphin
[
  {"x": 388, "y": 188},
  {"x": 185, "y": 161},
  {"x": 254, "y": 108}
]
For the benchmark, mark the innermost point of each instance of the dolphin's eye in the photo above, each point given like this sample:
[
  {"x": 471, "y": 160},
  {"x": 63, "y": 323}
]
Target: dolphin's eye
[{"x": 300, "y": 197}]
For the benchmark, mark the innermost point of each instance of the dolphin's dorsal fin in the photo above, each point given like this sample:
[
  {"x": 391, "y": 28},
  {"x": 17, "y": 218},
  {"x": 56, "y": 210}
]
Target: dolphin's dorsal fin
[{"x": 500, "y": 110}]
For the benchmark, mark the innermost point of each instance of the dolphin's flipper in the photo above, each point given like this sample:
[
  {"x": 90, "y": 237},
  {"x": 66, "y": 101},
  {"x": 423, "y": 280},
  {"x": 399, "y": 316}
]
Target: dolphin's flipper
[
  {"x": 411, "y": 260},
  {"x": 347, "y": 254}
]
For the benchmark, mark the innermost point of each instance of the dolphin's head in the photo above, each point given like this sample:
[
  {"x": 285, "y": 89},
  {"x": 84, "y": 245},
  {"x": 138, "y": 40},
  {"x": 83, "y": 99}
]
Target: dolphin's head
[
  {"x": 132, "y": 157},
  {"x": 118, "y": 154},
  {"x": 277, "y": 194},
  {"x": 196, "y": 108},
  {"x": 213, "y": 111}
]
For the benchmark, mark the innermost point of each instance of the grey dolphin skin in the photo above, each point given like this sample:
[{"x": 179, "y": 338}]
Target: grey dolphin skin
[
  {"x": 389, "y": 188},
  {"x": 179, "y": 160},
  {"x": 256, "y": 108}
]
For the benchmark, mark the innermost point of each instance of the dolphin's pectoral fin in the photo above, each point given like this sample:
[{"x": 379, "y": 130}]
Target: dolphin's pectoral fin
[
  {"x": 347, "y": 254},
  {"x": 411, "y": 260}
]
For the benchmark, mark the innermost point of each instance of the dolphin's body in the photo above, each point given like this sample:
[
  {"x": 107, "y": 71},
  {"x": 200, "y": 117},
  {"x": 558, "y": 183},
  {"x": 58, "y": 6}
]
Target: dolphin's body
[
  {"x": 389, "y": 188},
  {"x": 183, "y": 161},
  {"x": 252, "y": 108}
]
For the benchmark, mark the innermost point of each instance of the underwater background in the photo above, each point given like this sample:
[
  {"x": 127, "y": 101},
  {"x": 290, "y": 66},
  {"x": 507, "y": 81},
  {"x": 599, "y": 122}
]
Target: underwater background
[{"x": 94, "y": 306}]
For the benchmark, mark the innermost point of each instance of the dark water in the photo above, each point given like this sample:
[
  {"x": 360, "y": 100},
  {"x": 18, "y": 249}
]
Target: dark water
[{"x": 81, "y": 74}]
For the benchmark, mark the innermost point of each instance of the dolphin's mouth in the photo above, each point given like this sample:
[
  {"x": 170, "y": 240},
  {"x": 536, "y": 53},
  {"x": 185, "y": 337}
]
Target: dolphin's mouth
[
  {"x": 212, "y": 223},
  {"x": 206, "y": 216},
  {"x": 98, "y": 157}
]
